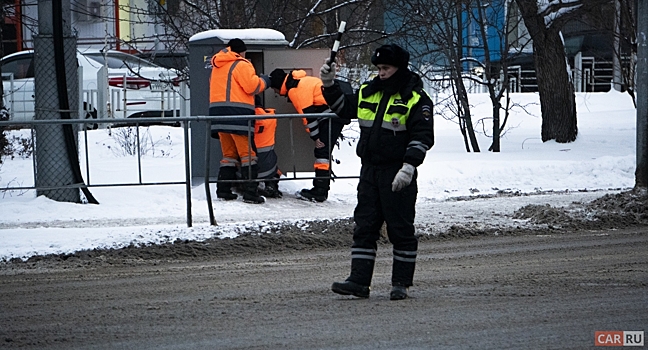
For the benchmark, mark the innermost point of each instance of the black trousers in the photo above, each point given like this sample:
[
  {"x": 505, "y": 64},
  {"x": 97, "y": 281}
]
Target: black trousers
[
  {"x": 329, "y": 132},
  {"x": 377, "y": 204}
]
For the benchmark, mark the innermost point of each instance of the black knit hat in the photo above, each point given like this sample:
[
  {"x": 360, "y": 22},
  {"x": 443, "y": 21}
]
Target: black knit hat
[
  {"x": 237, "y": 45},
  {"x": 277, "y": 78},
  {"x": 392, "y": 55}
]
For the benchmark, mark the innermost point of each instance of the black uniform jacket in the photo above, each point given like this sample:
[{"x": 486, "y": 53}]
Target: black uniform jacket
[{"x": 382, "y": 147}]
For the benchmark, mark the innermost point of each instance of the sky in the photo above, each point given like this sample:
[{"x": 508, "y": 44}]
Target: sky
[{"x": 601, "y": 159}]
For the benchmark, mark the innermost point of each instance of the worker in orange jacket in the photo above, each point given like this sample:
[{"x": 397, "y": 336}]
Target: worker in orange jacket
[
  {"x": 264, "y": 139},
  {"x": 233, "y": 85},
  {"x": 305, "y": 93}
]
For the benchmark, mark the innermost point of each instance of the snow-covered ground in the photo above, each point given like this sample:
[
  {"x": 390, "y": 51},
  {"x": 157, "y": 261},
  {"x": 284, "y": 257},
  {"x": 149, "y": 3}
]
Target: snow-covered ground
[{"x": 601, "y": 159}]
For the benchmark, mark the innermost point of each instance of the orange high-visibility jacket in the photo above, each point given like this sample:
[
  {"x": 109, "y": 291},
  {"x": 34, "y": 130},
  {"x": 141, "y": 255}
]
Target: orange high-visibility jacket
[
  {"x": 305, "y": 93},
  {"x": 233, "y": 84},
  {"x": 264, "y": 131}
]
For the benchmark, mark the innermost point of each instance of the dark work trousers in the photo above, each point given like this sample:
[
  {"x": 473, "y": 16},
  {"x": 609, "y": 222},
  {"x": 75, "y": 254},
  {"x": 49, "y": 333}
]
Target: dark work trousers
[
  {"x": 377, "y": 203},
  {"x": 328, "y": 140}
]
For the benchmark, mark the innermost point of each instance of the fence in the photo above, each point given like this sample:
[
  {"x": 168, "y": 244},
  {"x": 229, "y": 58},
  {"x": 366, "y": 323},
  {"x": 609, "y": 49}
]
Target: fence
[
  {"x": 138, "y": 123},
  {"x": 589, "y": 74},
  {"x": 19, "y": 98}
]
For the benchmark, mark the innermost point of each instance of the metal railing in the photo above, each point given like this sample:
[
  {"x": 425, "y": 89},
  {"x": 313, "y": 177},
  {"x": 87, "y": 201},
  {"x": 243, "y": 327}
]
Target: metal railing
[
  {"x": 112, "y": 103},
  {"x": 145, "y": 122}
]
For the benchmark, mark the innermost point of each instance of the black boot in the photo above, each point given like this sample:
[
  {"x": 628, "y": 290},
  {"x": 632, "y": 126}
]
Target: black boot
[
  {"x": 271, "y": 189},
  {"x": 350, "y": 288},
  {"x": 251, "y": 192},
  {"x": 398, "y": 293},
  {"x": 319, "y": 192},
  {"x": 223, "y": 187},
  {"x": 314, "y": 194},
  {"x": 360, "y": 279},
  {"x": 402, "y": 273}
]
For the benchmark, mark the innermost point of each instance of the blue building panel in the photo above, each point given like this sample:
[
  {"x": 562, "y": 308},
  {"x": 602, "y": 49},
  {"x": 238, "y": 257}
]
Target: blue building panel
[{"x": 494, "y": 16}]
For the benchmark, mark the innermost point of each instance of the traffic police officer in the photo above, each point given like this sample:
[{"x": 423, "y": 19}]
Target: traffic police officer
[{"x": 396, "y": 131}]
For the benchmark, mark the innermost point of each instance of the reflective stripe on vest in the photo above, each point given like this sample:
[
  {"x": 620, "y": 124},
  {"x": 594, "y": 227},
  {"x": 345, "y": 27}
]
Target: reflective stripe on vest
[
  {"x": 227, "y": 100},
  {"x": 396, "y": 113}
]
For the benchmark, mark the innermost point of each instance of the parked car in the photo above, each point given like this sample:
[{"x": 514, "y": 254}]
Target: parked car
[
  {"x": 136, "y": 87},
  {"x": 178, "y": 60}
]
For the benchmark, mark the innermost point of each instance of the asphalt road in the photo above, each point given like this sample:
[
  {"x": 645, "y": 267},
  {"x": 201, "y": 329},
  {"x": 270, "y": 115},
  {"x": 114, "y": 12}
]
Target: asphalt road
[{"x": 495, "y": 292}]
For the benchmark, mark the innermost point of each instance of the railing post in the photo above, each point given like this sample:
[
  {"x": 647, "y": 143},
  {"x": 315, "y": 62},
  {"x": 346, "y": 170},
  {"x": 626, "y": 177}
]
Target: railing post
[
  {"x": 210, "y": 208},
  {"x": 185, "y": 127}
]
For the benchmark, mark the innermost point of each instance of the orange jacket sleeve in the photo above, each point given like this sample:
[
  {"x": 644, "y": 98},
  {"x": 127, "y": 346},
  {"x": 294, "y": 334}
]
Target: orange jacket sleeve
[{"x": 245, "y": 75}]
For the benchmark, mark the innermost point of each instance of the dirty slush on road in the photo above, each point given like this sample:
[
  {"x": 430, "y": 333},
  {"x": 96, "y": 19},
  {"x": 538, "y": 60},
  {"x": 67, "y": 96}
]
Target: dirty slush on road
[{"x": 622, "y": 210}]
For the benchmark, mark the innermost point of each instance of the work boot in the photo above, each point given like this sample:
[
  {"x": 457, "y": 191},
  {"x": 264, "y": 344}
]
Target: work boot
[
  {"x": 321, "y": 186},
  {"x": 398, "y": 293},
  {"x": 253, "y": 198},
  {"x": 271, "y": 190},
  {"x": 314, "y": 194},
  {"x": 251, "y": 190},
  {"x": 350, "y": 288},
  {"x": 224, "y": 188},
  {"x": 226, "y": 196}
]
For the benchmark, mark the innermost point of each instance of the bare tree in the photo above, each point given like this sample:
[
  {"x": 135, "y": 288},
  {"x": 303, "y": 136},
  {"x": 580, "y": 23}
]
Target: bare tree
[
  {"x": 544, "y": 21},
  {"x": 432, "y": 31},
  {"x": 623, "y": 32},
  {"x": 627, "y": 35},
  {"x": 496, "y": 78},
  {"x": 304, "y": 23}
]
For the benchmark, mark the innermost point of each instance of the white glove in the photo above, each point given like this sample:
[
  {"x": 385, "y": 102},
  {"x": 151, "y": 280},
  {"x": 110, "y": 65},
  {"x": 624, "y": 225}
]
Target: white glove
[
  {"x": 327, "y": 73},
  {"x": 403, "y": 177}
]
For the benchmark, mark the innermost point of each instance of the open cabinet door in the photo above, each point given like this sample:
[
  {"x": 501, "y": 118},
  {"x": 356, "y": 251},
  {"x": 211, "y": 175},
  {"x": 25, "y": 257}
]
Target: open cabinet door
[{"x": 293, "y": 146}]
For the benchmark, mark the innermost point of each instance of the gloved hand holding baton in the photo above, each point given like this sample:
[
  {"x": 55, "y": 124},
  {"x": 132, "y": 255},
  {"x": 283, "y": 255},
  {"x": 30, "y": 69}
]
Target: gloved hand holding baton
[
  {"x": 336, "y": 45},
  {"x": 327, "y": 72}
]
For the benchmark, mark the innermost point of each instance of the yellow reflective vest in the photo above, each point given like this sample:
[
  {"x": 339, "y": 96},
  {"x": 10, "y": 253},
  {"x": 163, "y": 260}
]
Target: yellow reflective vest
[{"x": 396, "y": 112}]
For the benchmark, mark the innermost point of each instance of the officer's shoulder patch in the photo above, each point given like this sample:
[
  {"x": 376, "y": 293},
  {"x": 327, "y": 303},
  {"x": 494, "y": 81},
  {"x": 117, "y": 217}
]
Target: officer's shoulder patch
[{"x": 427, "y": 112}]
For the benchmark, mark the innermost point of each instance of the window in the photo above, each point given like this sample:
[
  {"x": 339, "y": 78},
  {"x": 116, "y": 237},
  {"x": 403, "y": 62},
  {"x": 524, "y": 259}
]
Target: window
[
  {"x": 118, "y": 60},
  {"x": 21, "y": 67}
]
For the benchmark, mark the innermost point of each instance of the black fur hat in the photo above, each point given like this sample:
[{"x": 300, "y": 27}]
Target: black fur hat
[
  {"x": 277, "y": 78},
  {"x": 392, "y": 55},
  {"x": 237, "y": 45}
]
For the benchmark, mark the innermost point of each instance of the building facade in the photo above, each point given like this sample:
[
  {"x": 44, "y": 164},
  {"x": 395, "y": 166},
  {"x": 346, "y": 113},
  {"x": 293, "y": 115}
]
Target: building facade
[{"x": 125, "y": 25}]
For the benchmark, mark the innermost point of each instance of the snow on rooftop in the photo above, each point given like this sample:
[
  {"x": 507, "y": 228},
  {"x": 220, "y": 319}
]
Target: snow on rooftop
[{"x": 243, "y": 34}]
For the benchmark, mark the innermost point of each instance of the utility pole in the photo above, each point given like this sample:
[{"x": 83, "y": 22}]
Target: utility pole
[
  {"x": 641, "y": 174},
  {"x": 50, "y": 149},
  {"x": 56, "y": 90}
]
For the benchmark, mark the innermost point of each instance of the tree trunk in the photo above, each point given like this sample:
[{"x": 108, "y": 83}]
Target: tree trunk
[
  {"x": 463, "y": 104},
  {"x": 463, "y": 108},
  {"x": 557, "y": 98},
  {"x": 495, "y": 146}
]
